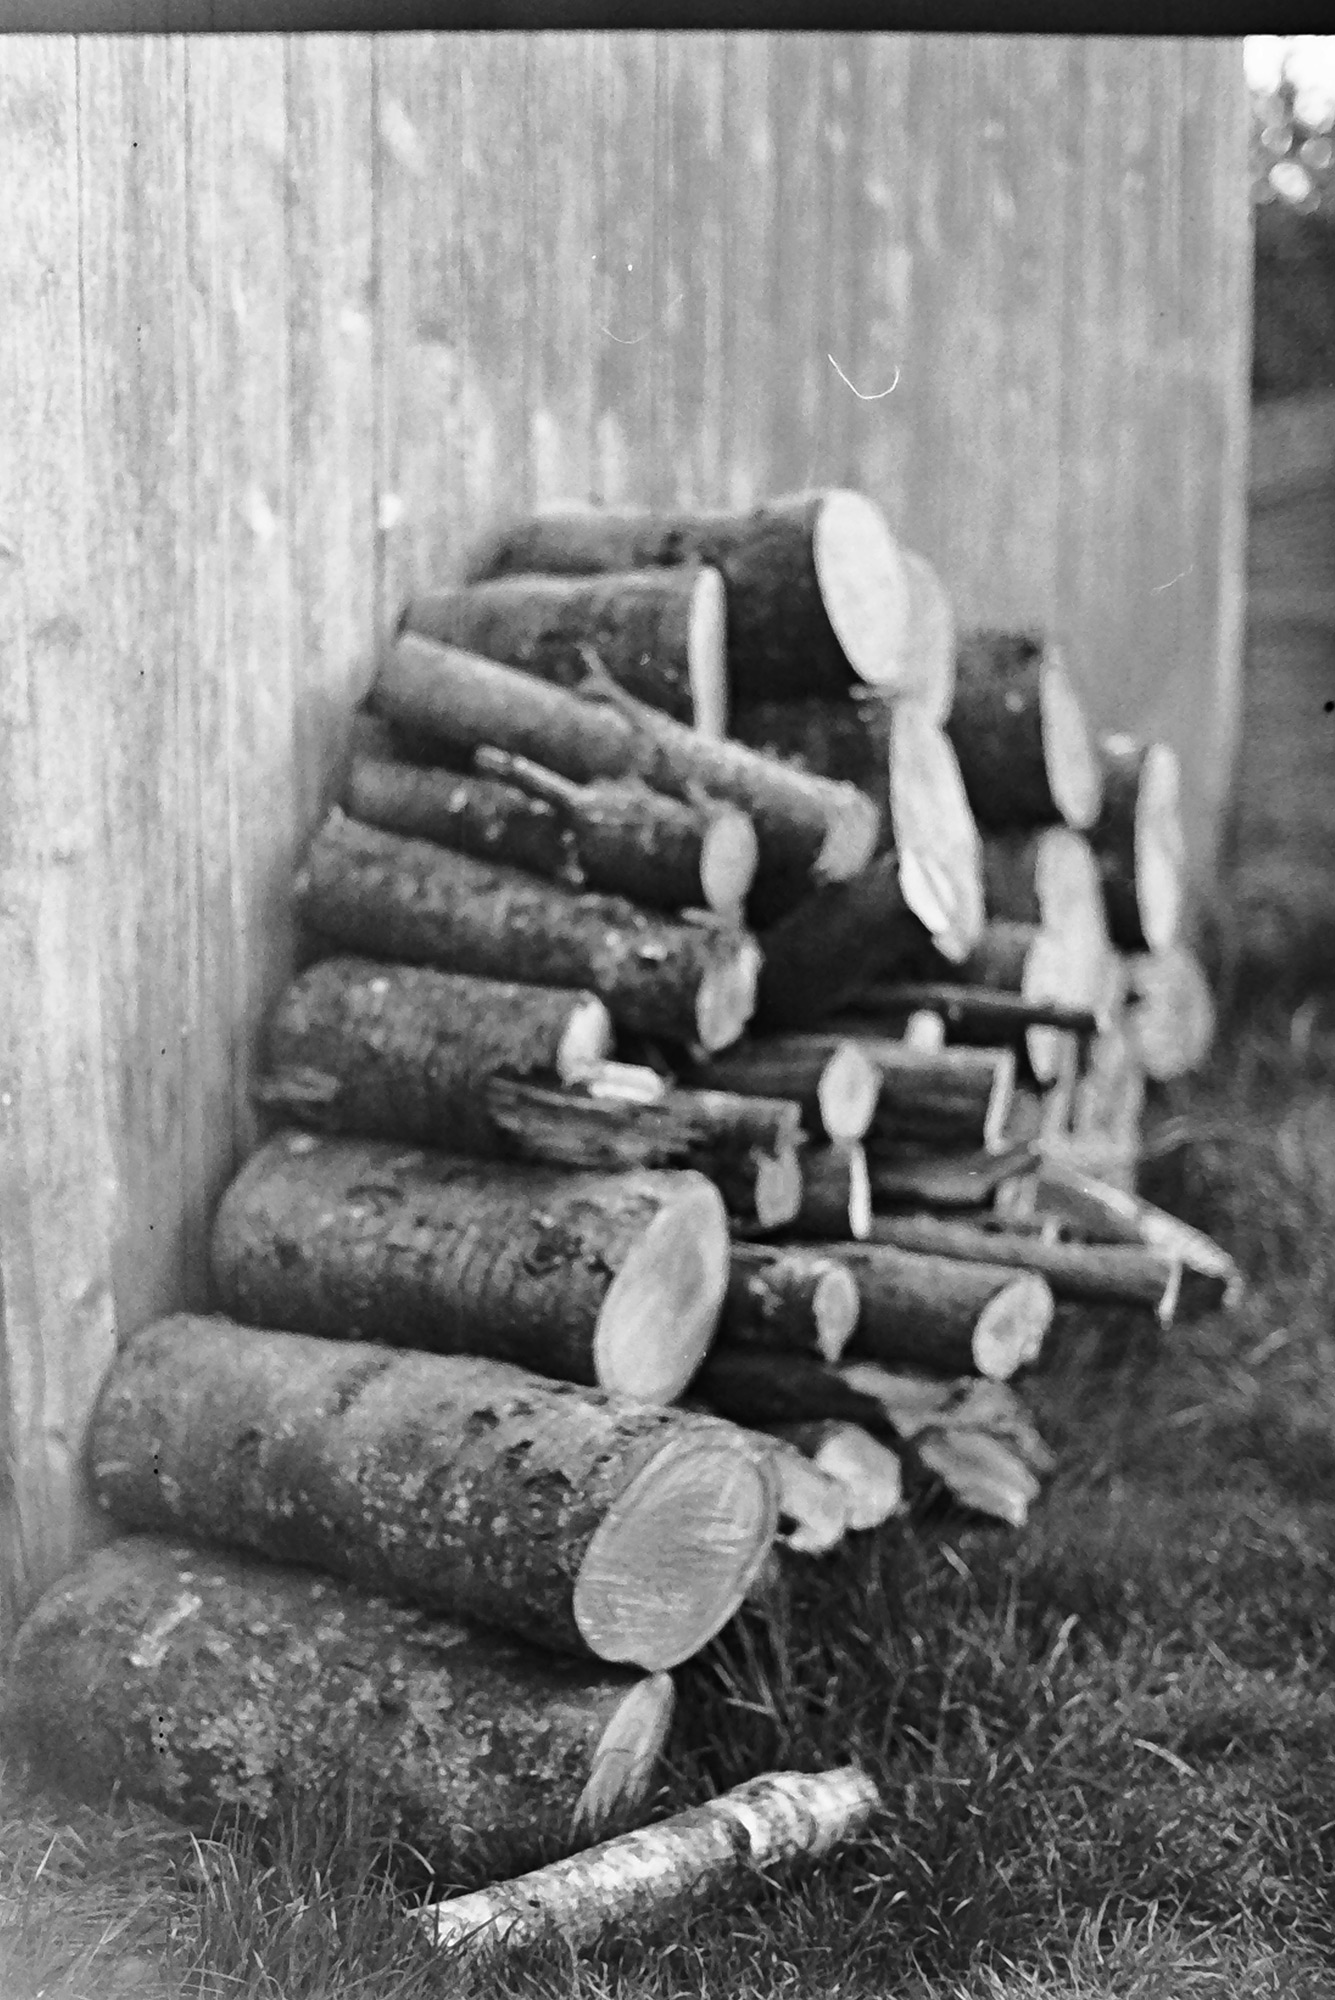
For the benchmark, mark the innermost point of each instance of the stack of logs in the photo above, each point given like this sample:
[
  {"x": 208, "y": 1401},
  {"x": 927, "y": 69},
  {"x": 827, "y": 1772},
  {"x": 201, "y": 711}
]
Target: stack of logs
[{"x": 731, "y": 1000}]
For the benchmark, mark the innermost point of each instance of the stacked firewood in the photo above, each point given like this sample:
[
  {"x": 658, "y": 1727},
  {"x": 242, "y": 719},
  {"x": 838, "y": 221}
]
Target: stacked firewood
[{"x": 725, "y": 986}]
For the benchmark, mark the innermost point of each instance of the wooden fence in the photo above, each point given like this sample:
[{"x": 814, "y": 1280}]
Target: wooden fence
[{"x": 286, "y": 318}]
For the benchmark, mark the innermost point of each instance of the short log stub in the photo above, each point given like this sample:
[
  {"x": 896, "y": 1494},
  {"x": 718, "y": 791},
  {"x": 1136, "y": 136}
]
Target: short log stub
[{"x": 1020, "y": 733}]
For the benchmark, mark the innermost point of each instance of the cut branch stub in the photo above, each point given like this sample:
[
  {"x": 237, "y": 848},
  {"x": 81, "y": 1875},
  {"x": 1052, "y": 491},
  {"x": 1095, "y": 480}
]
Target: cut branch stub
[
  {"x": 788, "y": 1298},
  {"x": 613, "y": 1279},
  {"x": 139, "y": 1671},
  {"x": 1139, "y": 843},
  {"x": 583, "y": 1523},
  {"x": 390, "y": 897},
  {"x": 1020, "y": 733},
  {"x": 828, "y": 1076},
  {"x": 659, "y": 633},
  {"x": 938, "y": 1313},
  {"x": 406, "y": 1052},
  {"x": 818, "y": 593}
]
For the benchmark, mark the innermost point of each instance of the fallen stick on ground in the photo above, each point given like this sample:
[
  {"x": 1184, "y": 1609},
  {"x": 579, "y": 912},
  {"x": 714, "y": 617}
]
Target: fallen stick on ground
[
  {"x": 1099, "y": 1273},
  {"x": 695, "y": 1855}
]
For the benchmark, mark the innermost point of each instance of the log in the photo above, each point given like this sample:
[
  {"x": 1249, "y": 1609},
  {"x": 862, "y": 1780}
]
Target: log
[
  {"x": 1109, "y": 1104},
  {"x": 1171, "y": 1012},
  {"x": 1049, "y": 877},
  {"x": 1020, "y": 734},
  {"x": 1138, "y": 842},
  {"x": 822, "y": 955},
  {"x": 584, "y": 1524},
  {"x": 619, "y": 837},
  {"x": 698, "y": 1856},
  {"x": 1103, "y": 1213},
  {"x": 818, "y": 595},
  {"x": 814, "y": 1510},
  {"x": 747, "y": 1146},
  {"x": 935, "y": 1312},
  {"x": 403, "y": 1051},
  {"x": 660, "y": 633},
  {"x": 976, "y": 1015},
  {"x": 828, "y": 1076},
  {"x": 914, "y": 1403},
  {"x": 955, "y": 1179},
  {"x": 869, "y": 1472},
  {"x": 980, "y": 1473},
  {"x": 935, "y": 833},
  {"x": 757, "y": 1390},
  {"x": 945, "y": 1097},
  {"x": 378, "y": 893},
  {"x": 925, "y": 673},
  {"x": 808, "y": 829},
  {"x": 847, "y": 740},
  {"x": 1049, "y": 968},
  {"x": 200, "y": 1683},
  {"x": 614, "y": 1280},
  {"x": 789, "y": 1298},
  {"x": 836, "y": 1195},
  {"x": 1097, "y": 1273}
]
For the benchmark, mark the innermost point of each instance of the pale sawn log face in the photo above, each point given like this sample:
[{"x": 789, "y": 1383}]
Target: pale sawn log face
[
  {"x": 1024, "y": 747},
  {"x": 1139, "y": 842},
  {"x": 580, "y": 1522},
  {"x": 202, "y": 1682}
]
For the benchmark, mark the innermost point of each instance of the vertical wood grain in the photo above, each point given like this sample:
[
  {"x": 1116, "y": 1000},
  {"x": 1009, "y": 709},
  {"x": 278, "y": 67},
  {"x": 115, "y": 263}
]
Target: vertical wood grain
[
  {"x": 900, "y": 381},
  {"x": 628, "y": 342},
  {"x": 693, "y": 272},
  {"x": 57, "y": 1322},
  {"x": 748, "y": 332},
  {"x": 561, "y": 261}
]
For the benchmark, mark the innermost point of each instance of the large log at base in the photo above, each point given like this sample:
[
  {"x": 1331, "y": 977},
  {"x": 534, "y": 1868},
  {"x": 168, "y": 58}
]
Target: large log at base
[
  {"x": 403, "y": 1051},
  {"x": 944, "y": 1097},
  {"x": 619, "y": 837},
  {"x": 1171, "y": 1013},
  {"x": 818, "y": 596},
  {"x": 808, "y": 829},
  {"x": 582, "y": 1523},
  {"x": 871, "y": 1475},
  {"x": 747, "y": 1146},
  {"x": 1096, "y": 1273},
  {"x": 660, "y": 633},
  {"x": 836, "y": 1195},
  {"x": 614, "y": 1280},
  {"x": 1020, "y": 734},
  {"x": 789, "y": 1298},
  {"x": 938, "y": 1313},
  {"x": 201, "y": 1683},
  {"x": 696, "y": 1857},
  {"x": 390, "y": 897},
  {"x": 1138, "y": 842},
  {"x": 827, "y": 1076},
  {"x": 821, "y": 955}
]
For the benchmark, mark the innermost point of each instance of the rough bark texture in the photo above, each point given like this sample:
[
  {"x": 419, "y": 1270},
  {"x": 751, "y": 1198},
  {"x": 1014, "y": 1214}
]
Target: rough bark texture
[
  {"x": 945, "y": 1097},
  {"x": 781, "y": 641},
  {"x": 836, "y": 1198},
  {"x": 390, "y": 897},
  {"x": 201, "y": 1682},
  {"x": 362, "y": 1240},
  {"x": 827, "y": 1076},
  {"x": 997, "y": 727},
  {"x": 639, "y": 623},
  {"x": 404, "y": 1051},
  {"x": 798, "y": 1300},
  {"x": 694, "y": 1857},
  {"x": 847, "y": 740},
  {"x": 1098, "y": 1273},
  {"x": 808, "y": 828},
  {"x": 469, "y": 814},
  {"x": 953, "y": 1179},
  {"x": 820, "y": 956},
  {"x": 470, "y": 1487},
  {"x": 760, "y": 1389},
  {"x": 923, "y": 1310}
]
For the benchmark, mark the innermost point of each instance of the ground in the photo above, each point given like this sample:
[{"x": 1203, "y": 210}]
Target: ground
[{"x": 1105, "y": 1745}]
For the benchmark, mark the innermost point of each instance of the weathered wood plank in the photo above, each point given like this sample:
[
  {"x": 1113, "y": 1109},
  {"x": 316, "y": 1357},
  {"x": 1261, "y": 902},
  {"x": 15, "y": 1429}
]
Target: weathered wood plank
[
  {"x": 749, "y": 226},
  {"x": 57, "y": 1321},
  {"x": 561, "y": 261},
  {"x": 881, "y": 366},
  {"x": 694, "y": 277},
  {"x": 628, "y": 340}
]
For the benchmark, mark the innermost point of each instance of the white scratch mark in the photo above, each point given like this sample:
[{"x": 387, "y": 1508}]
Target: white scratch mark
[
  {"x": 1156, "y": 588},
  {"x": 391, "y": 512},
  {"x": 861, "y": 396},
  {"x": 633, "y": 340}
]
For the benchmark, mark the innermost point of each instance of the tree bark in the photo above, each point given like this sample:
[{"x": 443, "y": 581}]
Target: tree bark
[
  {"x": 694, "y": 1857},
  {"x": 389, "y": 897},
  {"x": 870, "y": 1474},
  {"x": 836, "y": 1195},
  {"x": 828, "y": 1076},
  {"x": 953, "y": 1317},
  {"x": 203, "y": 1683},
  {"x": 660, "y": 633},
  {"x": 1171, "y": 1016},
  {"x": 1020, "y": 734},
  {"x": 820, "y": 956},
  {"x": 808, "y": 829},
  {"x": 756, "y": 1389},
  {"x": 946, "y": 1179},
  {"x": 847, "y": 740},
  {"x": 818, "y": 594},
  {"x": 1097, "y": 1273},
  {"x": 747, "y": 1146},
  {"x": 581, "y": 1523},
  {"x": 1139, "y": 843},
  {"x": 797, "y": 1300},
  {"x": 1099, "y": 1212},
  {"x": 403, "y": 1051},
  {"x": 621, "y": 838},
  {"x": 608, "y": 1279},
  {"x": 944, "y": 1097}
]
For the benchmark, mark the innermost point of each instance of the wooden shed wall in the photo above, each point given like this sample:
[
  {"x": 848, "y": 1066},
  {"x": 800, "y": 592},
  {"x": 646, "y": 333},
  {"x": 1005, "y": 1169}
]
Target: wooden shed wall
[{"x": 286, "y": 318}]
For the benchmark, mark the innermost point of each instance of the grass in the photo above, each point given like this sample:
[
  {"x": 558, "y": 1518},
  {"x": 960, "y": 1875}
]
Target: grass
[{"x": 1106, "y": 1746}]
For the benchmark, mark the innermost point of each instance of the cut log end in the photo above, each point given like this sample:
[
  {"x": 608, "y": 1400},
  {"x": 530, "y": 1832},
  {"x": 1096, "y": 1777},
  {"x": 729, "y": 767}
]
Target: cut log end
[
  {"x": 726, "y": 997},
  {"x": 846, "y": 1094},
  {"x": 863, "y": 584},
  {"x": 1075, "y": 775},
  {"x": 1011, "y": 1327},
  {"x": 729, "y": 853},
  {"x": 814, "y": 1511},
  {"x": 835, "y": 1307},
  {"x": 1158, "y": 847},
  {"x": 999, "y": 1102},
  {"x": 871, "y": 1475},
  {"x": 628, "y": 1751},
  {"x": 778, "y": 1194},
  {"x": 677, "y": 1552},
  {"x": 706, "y": 654},
  {"x": 660, "y": 1311},
  {"x": 586, "y": 1042},
  {"x": 854, "y": 827},
  {"x": 859, "y": 1196}
]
